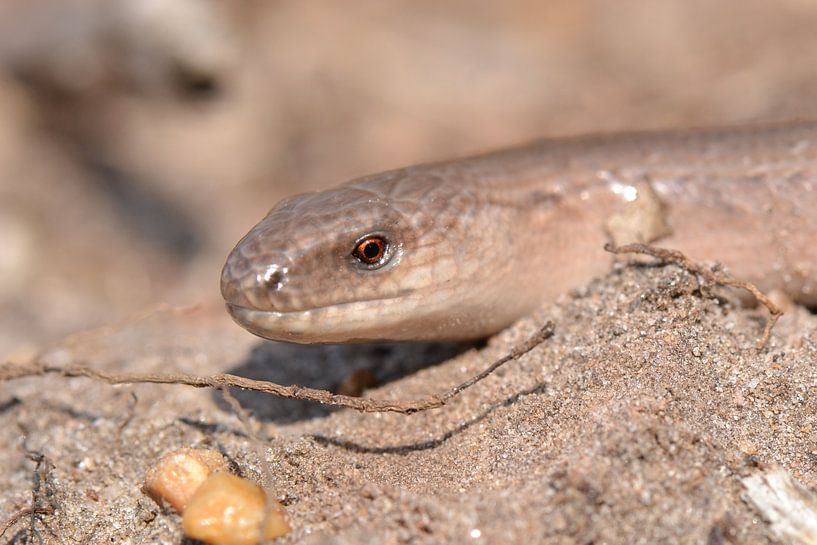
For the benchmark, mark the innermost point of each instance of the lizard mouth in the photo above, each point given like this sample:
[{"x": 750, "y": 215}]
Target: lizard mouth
[{"x": 340, "y": 323}]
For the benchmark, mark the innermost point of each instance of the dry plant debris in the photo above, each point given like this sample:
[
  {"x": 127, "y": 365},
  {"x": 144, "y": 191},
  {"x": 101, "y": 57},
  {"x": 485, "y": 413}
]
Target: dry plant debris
[
  {"x": 37, "y": 367},
  {"x": 42, "y": 492},
  {"x": 674, "y": 256},
  {"x": 790, "y": 508}
]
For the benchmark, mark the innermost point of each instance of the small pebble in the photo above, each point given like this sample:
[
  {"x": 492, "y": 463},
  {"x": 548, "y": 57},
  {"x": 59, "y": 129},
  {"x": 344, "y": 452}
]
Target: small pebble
[
  {"x": 175, "y": 478},
  {"x": 229, "y": 510}
]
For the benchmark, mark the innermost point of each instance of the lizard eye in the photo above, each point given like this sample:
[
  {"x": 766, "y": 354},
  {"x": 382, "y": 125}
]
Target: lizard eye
[{"x": 371, "y": 250}]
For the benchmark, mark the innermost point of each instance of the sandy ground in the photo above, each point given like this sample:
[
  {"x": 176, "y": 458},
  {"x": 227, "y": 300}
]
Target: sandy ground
[
  {"x": 121, "y": 188},
  {"x": 634, "y": 424}
]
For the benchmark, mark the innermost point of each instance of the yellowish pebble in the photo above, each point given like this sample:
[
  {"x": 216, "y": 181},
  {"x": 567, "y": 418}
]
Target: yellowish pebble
[
  {"x": 229, "y": 510},
  {"x": 176, "y": 477}
]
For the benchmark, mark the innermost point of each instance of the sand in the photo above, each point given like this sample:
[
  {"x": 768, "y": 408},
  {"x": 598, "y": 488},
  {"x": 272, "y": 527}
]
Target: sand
[{"x": 635, "y": 423}]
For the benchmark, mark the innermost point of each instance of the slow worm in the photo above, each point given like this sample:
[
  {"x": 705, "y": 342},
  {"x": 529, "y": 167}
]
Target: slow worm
[{"x": 460, "y": 249}]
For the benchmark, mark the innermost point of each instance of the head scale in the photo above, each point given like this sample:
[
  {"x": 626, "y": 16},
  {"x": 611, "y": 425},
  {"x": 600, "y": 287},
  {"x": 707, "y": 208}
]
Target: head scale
[{"x": 363, "y": 261}]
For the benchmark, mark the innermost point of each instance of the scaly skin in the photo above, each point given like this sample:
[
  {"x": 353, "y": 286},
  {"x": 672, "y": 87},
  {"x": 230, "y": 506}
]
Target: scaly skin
[{"x": 477, "y": 243}]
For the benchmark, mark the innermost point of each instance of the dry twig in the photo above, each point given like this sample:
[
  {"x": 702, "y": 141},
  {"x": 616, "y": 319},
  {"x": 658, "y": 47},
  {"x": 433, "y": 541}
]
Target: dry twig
[
  {"x": 23, "y": 513},
  {"x": 10, "y": 371},
  {"x": 42, "y": 492},
  {"x": 674, "y": 256}
]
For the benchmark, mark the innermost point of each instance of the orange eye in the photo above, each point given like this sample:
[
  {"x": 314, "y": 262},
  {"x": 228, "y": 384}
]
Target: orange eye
[{"x": 370, "y": 250}]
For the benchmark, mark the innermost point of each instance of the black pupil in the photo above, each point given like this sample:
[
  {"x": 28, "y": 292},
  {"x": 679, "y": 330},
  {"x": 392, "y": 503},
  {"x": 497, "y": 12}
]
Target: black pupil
[{"x": 371, "y": 250}]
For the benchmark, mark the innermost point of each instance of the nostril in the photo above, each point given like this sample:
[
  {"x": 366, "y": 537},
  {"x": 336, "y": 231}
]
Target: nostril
[{"x": 273, "y": 278}]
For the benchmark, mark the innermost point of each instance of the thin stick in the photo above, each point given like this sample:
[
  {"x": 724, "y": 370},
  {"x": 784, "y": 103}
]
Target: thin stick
[
  {"x": 674, "y": 256},
  {"x": 9, "y": 371},
  {"x": 544, "y": 333},
  {"x": 22, "y": 513}
]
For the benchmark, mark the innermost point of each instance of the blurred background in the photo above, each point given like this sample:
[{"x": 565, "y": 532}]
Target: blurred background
[{"x": 139, "y": 139}]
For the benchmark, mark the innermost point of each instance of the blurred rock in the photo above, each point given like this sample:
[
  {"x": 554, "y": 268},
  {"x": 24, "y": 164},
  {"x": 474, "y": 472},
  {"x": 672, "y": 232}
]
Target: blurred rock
[{"x": 80, "y": 47}]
